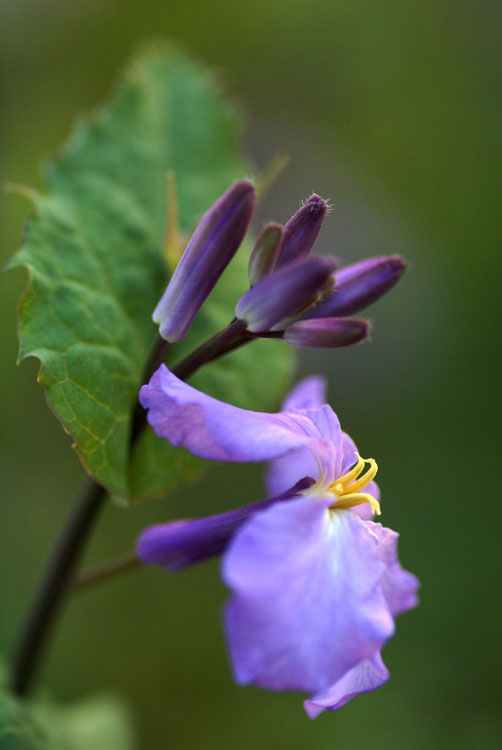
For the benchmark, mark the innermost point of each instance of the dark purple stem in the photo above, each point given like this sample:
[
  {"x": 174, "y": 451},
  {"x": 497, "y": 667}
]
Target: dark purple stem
[
  {"x": 104, "y": 571},
  {"x": 156, "y": 356},
  {"x": 226, "y": 340},
  {"x": 34, "y": 636}
]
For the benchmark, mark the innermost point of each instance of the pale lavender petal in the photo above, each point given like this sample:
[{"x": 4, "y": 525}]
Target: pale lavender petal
[
  {"x": 349, "y": 451},
  {"x": 218, "y": 431},
  {"x": 285, "y": 471},
  {"x": 327, "y": 448},
  {"x": 307, "y": 605},
  {"x": 180, "y": 543},
  {"x": 327, "y": 426},
  {"x": 366, "y": 676},
  {"x": 321, "y": 456},
  {"x": 307, "y": 394},
  {"x": 398, "y": 585}
]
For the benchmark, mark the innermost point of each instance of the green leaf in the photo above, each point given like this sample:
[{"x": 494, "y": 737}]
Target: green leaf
[
  {"x": 93, "y": 250},
  {"x": 97, "y": 722}
]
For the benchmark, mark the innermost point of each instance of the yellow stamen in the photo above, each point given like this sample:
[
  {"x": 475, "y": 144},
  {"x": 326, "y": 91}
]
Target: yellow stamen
[
  {"x": 365, "y": 479},
  {"x": 353, "y": 473},
  {"x": 347, "y": 490},
  {"x": 349, "y": 501}
]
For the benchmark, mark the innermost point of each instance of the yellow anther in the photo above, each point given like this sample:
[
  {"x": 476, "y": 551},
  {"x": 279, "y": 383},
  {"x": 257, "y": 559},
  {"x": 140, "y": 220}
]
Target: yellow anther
[
  {"x": 347, "y": 487},
  {"x": 353, "y": 473},
  {"x": 349, "y": 501},
  {"x": 365, "y": 479}
]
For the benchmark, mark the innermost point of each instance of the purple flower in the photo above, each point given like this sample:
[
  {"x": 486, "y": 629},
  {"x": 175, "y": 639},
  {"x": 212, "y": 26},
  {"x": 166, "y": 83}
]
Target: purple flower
[
  {"x": 212, "y": 247},
  {"x": 315, "y": 583}
]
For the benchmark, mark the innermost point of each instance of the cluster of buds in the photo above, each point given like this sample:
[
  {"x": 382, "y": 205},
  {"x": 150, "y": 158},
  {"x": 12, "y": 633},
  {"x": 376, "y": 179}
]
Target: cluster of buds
[{"x": 293, "y": 295}]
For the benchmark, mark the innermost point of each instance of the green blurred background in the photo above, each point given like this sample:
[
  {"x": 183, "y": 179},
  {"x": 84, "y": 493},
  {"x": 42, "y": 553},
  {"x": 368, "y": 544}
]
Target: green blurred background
[{"x": 390, "y": 110}]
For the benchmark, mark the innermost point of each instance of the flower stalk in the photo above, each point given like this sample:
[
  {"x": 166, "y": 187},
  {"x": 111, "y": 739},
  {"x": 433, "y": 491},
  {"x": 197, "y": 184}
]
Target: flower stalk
[
  {"x": 57, "y": 581},
  {"x": 48, "y": 601},
  {"x": 102, "y": 572},
  {"x": 226, "y": 340}
]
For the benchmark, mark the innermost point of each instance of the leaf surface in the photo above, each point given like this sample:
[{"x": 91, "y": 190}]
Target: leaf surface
[
  {"x": 93, "y": 250},
  {"x": 97, "y": 722}
]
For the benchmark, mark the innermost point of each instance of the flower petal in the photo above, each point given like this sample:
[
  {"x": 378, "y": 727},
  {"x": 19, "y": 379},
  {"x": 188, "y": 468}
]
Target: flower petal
[
  {"x": 221, "y": 432},
  {"x": 366, "y": 676},
  {"x": 180, "y": 543},
  {"x": 398, "y": 585},
  {"x": 307, "y": 394},
  {"x": 307, "y": 605},
  {"x": 285, "y": 471},
  {"x": 323, "y": 455}
]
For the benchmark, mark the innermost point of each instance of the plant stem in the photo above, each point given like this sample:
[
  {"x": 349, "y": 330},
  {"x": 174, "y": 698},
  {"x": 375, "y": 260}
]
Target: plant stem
[
  {"x": 57, "y": 579},
  {"x": 50, "y": 595},
  {"x": 229, "y": 338},
  {"x": 155, "y": 358},
  {"x": 65, "y": 556},
  {"x": 104, "y": 571}
]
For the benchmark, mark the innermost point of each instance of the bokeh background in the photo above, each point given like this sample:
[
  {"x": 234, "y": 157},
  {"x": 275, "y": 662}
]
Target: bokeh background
[{"x": 390, "y": 109}]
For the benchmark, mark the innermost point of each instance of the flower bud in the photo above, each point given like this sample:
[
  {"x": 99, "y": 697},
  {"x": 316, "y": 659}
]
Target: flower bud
[
  {"x": 264, "y": 256},
  {"x": 359, "y": 285},
  {"x": 284, "y": 293},
  {"x": 301, "y": 231},
  {"x": 212, "y": 247},
  {"x": 326, "y": 333}
]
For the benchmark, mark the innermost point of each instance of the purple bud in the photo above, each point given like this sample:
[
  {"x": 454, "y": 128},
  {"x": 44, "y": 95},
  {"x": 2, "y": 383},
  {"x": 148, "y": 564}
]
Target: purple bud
[
  {"x": 301, "y": 230},
  {"x": 212, "y": 247},
  {"x": 326, "y": 333},
  {"x": 359, "y": 285},
  {"x": 284, "y": 293},
  {"x": 264, "y": 256}
]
